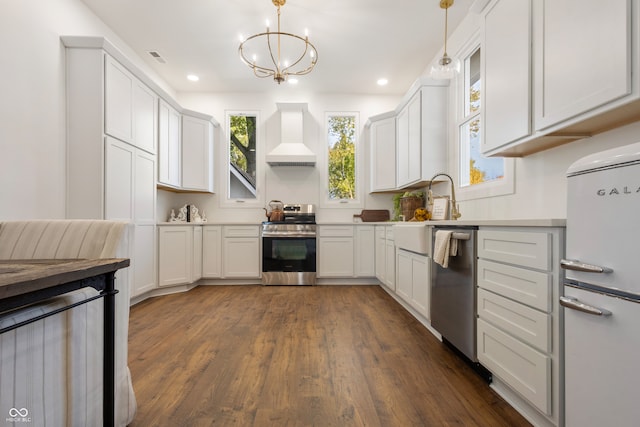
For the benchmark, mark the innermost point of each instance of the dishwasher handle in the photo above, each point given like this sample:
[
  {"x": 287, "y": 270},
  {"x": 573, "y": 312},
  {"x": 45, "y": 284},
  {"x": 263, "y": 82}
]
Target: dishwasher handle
[{"x": 460, "y": 236}]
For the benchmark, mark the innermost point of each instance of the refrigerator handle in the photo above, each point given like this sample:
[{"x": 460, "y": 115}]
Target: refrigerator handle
[
  {"x": 572, "y": 264},
  {"x": 574, "y": 304}
]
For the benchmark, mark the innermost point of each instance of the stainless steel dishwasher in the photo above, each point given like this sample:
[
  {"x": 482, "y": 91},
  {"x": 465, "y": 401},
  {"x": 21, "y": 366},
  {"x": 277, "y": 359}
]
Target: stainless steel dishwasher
[{"x": 453, "y": 293}]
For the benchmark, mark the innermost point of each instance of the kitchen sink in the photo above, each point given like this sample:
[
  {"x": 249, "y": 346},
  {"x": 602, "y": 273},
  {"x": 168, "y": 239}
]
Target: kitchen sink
[{"x": 412, "y": 236}]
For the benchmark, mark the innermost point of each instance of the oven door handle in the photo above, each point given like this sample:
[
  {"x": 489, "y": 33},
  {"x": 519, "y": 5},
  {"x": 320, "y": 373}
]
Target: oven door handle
[
  {"x": 281, "y": 234},
  {"x": 575, "y": 265}
]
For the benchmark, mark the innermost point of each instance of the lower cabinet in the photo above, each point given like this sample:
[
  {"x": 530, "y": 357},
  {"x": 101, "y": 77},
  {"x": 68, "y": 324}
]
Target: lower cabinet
[
  {"x": 241, "y": 252},
  {"x": 385, "y": 256},
  {"x": 175, "y": 255},
  {"x": 335, "y": 251},
  {"x": 412, "y": 280},
  {"x": 212, "y": 251},
  {"x": 519, "y": 319},
  {"x": 346, "y": 251},
  {"x": 144, "y": 275}
]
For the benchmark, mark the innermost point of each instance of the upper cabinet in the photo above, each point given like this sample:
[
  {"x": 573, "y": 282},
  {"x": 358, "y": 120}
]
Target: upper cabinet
[
  {"x": 130, "y": 107},
  {"x": 382, "y": 136},
  {"x": 197, "y": 153},
  {"x": 507, "y": 73},
  {"x": 169, "y": 145},
  {"x": 555, "y": 72},
  {"x": 408, "y": 145}
]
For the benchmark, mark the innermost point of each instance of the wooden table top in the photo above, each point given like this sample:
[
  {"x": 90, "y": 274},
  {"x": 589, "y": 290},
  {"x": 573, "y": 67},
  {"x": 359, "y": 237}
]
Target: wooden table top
[{"x": 18, "y": 277}]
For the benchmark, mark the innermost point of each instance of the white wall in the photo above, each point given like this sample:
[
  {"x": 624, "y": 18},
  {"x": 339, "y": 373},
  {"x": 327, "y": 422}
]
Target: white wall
[{"x": 32, "y": 101}]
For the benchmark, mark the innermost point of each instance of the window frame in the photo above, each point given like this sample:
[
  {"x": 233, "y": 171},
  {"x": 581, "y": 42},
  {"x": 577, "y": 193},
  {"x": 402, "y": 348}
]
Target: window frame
[
  {"x": 504, "y": 186},
  {"x": 358, "y": 200},
  {"x": 258, "y": 201}
]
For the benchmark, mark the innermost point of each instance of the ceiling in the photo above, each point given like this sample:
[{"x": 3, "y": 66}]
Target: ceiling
[{"x": 358, "y": 41}]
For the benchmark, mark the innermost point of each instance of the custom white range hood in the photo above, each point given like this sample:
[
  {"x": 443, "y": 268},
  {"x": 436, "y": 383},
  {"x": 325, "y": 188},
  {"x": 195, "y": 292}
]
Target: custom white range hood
[{"x": 291, "y": 151}]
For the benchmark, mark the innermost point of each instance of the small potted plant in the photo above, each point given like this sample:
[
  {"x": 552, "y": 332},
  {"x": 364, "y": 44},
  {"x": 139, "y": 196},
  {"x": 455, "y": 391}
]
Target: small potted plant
[{"x": 405, "y": 204}]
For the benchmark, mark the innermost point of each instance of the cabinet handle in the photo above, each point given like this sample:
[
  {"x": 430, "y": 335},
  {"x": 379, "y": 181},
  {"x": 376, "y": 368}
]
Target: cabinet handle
[
  {"x": 575, "y": 265},
  {"x": 574, "y": 304}
]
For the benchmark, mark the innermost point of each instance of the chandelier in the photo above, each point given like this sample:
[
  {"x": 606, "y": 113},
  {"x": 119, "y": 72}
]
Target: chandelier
[
  {"x": 446, "y": 67},
  {"x": 286, "y": 54}
]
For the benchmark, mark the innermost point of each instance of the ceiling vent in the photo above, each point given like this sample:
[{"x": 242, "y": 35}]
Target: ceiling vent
[
  {"x": 291, "y": 151},
  {"x": 155, "y": 55}
]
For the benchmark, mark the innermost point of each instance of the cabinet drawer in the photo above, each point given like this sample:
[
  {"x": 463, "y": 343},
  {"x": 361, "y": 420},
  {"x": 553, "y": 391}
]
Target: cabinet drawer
[
  {"x": 529, "y": 325},
  {"x": 242, "y": 231},
  {"x": 526, "y": 249},
  {"x": 336, "y": 231},
  {"x": 532, "y": 288},
  {"x": 523, "y": 368}
]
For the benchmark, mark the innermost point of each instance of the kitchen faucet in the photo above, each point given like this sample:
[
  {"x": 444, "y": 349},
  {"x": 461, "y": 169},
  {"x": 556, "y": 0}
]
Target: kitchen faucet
[{"x": 454, "y": 213}]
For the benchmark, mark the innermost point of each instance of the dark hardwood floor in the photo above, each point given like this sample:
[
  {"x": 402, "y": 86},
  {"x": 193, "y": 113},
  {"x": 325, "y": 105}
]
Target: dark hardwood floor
[{"x": 298, "y": 356}]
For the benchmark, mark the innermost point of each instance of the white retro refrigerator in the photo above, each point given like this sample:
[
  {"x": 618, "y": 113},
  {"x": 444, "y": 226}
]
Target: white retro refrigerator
[{"x": 602, "y": 290}]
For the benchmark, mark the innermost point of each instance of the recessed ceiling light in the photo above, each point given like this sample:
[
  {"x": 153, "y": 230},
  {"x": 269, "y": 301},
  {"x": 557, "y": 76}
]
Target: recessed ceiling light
[
  {"x": 382, "y": 82},
  {"x": 193, "y": 77}
]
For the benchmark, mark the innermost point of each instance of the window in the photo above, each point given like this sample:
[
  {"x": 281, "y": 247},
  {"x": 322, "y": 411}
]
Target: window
[
  {"x": 342, "y": 174},
  {"x": 479, "y": 176},
  {"x": 242, "y": 177}
]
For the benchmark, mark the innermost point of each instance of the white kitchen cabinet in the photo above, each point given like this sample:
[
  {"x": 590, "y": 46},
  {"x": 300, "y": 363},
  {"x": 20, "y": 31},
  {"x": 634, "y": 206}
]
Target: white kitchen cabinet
[
  {"x": 144, "y": 214},
  {"x": 381, "y": 257},
  {"x": 390, "y": 259},
  {"x": 196, "y": 269},
  {"x": 365, "y": 247},
  {"x": 421, "y": 128},
  {"x": 382, "y": 138},
  {"x": 175, "y": 255},
  {"x": 212, "y": 251},
  {"x": 130, "y": 107},
  {"x": 409, "y": 145},
  {"x": 335, "y": 251},
  {"x": 599, "y": 70},
  {"x": 144, "y": 257},
  {"x": 241, "y": 252},
  {"x": 197, "y": 154},
  {"x": 169, "y": 145},
  {"x": 118, "y": 101},
  {"x": 519, "y": 321},
  {"x": 130, "y": 195},
  {"x": 534, "y": 97},
  {"x": 506, "y": 75},
  {"x": 412, "y": 280}
]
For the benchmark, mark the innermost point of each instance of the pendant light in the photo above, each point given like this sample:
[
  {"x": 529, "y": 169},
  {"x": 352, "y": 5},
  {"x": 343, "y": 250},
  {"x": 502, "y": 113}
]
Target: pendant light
[{"x": 446, "y": 67}]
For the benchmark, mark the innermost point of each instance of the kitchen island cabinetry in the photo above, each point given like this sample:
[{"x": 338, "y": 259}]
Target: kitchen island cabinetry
[
  {"x": 519, "y": 321},
  {"x": 523, "y": 43},
  {"x": 241, "y": 252}
]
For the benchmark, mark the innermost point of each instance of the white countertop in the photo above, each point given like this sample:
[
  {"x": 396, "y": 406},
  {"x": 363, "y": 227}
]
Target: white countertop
[{"x": 544, "y": 222}]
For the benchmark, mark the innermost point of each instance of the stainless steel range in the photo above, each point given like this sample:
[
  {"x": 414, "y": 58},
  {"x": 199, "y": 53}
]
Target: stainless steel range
[{"x": 289, "y": 247}]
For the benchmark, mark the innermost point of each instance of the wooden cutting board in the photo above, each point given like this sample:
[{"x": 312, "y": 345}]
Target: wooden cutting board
[{"x": 373, "y": 215}]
